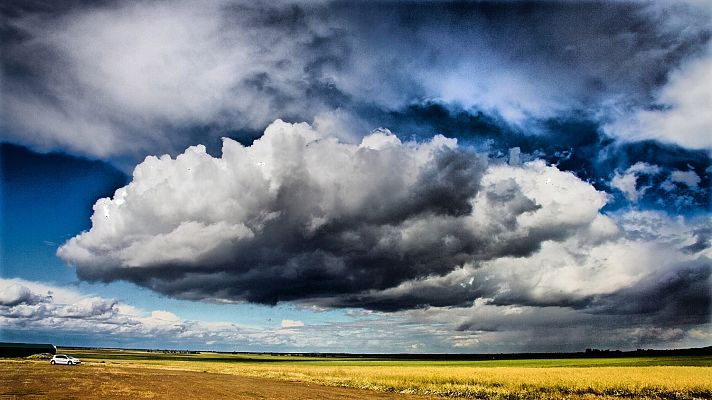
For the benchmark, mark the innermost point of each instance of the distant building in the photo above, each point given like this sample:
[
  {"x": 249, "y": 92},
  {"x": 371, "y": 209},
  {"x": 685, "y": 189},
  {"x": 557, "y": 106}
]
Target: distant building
[{"x": 25, "y": 349}]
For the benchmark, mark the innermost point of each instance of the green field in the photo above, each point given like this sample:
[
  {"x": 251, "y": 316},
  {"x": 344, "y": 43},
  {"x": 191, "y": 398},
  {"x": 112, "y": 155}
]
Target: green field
[
  {"x": 157, "y": 357},
  {"x": 643, "y": 377}
]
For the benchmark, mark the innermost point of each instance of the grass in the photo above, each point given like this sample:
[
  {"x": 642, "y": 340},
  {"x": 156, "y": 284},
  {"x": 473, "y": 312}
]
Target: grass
[{"x": 651, "y": 377}]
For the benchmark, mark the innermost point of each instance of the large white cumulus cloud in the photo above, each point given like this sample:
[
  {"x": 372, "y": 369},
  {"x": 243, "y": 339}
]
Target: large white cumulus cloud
[
  {"x": 194, "y": 209},
  {"x": 295, "y": 201},
  {"x": 301, "y": 216}
]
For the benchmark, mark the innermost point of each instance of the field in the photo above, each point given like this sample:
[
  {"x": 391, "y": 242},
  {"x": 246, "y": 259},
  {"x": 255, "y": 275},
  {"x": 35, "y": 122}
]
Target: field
[{"x": 136, "y": 374}]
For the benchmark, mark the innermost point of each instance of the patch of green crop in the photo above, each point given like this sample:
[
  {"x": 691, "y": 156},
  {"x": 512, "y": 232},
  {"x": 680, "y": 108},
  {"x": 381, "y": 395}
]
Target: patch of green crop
[{"x": 152, "y": 357}]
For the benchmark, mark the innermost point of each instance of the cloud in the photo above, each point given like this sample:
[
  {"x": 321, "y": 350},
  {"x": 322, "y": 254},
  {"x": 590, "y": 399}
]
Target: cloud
[
  {"x": 487, "y": 327},
  {"x": 288, "y": 323},
  {"x": 38, "y": 302},
  {"x": 634, "y": 279},
  {"x": 121, "y": 324},
  {"x": 611, "y": 270},
  {"x": 681, "y": 117},
  {"x": 501, "y": 56},
  {"x": 123, "y": 79},
  {"x": 15, "y": 295},
  {"x": 117, "y": 80},
  {"x": 300, "y": 216},
  {"x": 677, "y": 113},
  {"x": 302, "y": 205},
  {"x": 297, "y": 214},
  {"x": 627, "y": 182},
  {"x": 67, "y": 313},
  {"x": 688, "y": 178}
]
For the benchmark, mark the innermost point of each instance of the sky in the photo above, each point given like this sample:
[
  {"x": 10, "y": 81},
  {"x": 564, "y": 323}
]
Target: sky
[{"x": 381, "y": 177}]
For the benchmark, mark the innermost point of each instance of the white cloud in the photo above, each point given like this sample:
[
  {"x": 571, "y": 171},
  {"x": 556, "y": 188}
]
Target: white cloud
[
  {"x": 464, "y": 341},
  {"x": 506, "y": 90},
  {"x": 627, "y": 182},
  {"x": 685, "y": 119},
  {"x": 704, "y": 333},
  {"x": 611, "y": 255},
  {"x": 101, "y": 322},
  {"x": 572, "y": 271},
  {"x": 204, "y": 227},
  {"x": 689, "y": 178},
  {"x": 196, "y": 209},
  {"x": 632, "y": 275},
  {"x": 17, "y": 294},
  {"x": 253, "y": 224},
  {"x": 554, "y": 193},
  {"x": 288, "y": 323},
  {"x": 164, "y": 316},
  {"x": 63, "y": 311}
]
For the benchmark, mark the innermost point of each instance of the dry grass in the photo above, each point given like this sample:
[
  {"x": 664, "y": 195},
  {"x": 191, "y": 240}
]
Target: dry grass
[{"x": 40, "y": 380}]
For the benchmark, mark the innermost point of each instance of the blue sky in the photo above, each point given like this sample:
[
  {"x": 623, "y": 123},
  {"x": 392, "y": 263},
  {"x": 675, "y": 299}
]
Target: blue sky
[
  {"x": 372, "y": 177},
  {"x": 47, "y": 199}
]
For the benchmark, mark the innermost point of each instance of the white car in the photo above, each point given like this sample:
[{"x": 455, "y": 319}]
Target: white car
[{"x": 64, "y": 359}]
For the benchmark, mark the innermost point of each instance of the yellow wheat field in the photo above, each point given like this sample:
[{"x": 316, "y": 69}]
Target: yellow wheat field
[{"x": 667, "y": 382}]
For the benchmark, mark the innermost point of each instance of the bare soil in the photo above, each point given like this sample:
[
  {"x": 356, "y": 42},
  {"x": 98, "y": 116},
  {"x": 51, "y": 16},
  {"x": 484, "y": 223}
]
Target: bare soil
[{"x": 40, "y": 380}]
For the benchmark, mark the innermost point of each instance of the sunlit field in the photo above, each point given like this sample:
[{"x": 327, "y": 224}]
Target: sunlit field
[{"x": 652, "y": 377}]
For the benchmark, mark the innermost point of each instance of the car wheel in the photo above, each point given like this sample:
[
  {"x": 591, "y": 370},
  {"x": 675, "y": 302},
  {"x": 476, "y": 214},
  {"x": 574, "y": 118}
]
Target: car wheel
[
  {"x": 52, "y": 362},
  {"x": 69, "y": 363}
]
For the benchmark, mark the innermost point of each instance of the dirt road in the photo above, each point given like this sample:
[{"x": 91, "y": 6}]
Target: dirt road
[{"x": 40, "y": 380}]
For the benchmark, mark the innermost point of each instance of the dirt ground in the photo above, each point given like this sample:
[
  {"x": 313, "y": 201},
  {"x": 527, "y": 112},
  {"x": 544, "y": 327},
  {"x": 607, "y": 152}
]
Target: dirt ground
[{"x": 40, "y": 380}]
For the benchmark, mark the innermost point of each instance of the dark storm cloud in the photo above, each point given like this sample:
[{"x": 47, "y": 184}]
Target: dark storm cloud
[
  {"x": 676, "y": 295},
  {"x": 105, "y": 89},
  {"x": 112, "y": 80},
  {"x": 681, "y": 295},
  {"x": 534, "y": 329},
  {"x": 591, "y": 48},
  {"x": 663, "y": 308},
  {"x": 541, "y": 76},
  {"x": 703, "y": 241}
]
